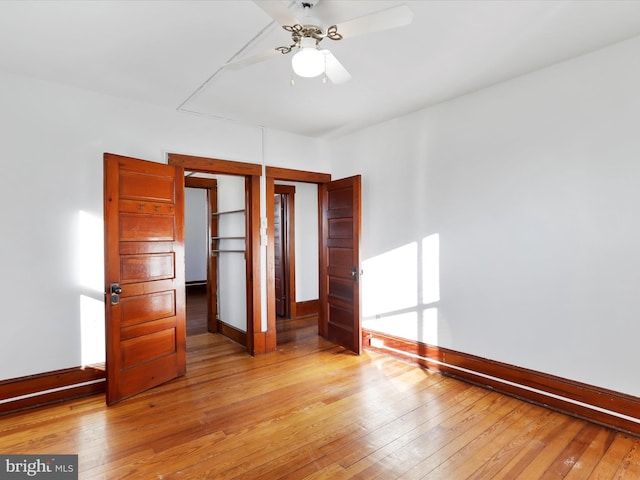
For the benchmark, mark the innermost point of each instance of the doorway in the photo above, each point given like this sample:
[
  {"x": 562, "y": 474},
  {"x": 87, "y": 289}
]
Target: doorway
[
  {"x": 284, "y": 250},
  {"x": 338, "y": 308},
  {"x": 255, "y": 340},
  {"x": 200, "y": 201},
  {"x": 215, "y": 254}
]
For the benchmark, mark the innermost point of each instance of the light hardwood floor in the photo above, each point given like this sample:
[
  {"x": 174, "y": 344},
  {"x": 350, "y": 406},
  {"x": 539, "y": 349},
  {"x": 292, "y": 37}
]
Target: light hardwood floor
[{"x": 314, "y": 411}]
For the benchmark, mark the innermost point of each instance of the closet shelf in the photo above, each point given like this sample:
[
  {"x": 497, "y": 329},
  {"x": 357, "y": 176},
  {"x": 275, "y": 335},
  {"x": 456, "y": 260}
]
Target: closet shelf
[{"x": 214, "y": 214}]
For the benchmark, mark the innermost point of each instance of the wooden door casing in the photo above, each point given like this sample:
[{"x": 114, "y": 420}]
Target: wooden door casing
[
  {"x": 210, "y": 185},
  {"x": 144, "y": 256},
  {"x": 279, "y": 255},
  {"x": 284, "y": 250},
  {"x": 340, "y": 262},
  {"x": 257, "y": 340}
]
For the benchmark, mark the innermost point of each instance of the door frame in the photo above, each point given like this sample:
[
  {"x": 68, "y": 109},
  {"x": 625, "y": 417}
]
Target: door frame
[
  {"x": 288, "y": 234},
  {"x": 258, "y": 342},
  {"x": 272, "y": 174},
  {"x": 210, "y": 187}
]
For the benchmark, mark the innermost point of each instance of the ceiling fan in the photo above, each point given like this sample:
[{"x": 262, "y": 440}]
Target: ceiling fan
[{"x": 309, "y": 60}]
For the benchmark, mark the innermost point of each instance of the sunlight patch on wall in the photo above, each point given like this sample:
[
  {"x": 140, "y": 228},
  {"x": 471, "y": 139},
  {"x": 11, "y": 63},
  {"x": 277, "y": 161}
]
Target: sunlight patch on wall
[
  {"x": 428, "y": 331},
  {"x": 91, "y": 330},
  {"x": 423, "y": 328},
  {"x": 91, "y": 252},
  {"x": 403, "y": 325},
  {"x": 400, "y": 290},
  {"x": 390, "y": 281},
  {"x": 91, "y": 277}
]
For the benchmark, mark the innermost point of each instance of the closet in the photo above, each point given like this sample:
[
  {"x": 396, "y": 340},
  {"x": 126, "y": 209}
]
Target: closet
[{"x": 223, "y": 251}]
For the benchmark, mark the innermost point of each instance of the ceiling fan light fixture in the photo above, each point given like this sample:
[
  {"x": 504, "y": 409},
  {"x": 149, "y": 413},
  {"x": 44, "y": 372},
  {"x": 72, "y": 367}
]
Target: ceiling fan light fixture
[{"x": 308, "y": 61}]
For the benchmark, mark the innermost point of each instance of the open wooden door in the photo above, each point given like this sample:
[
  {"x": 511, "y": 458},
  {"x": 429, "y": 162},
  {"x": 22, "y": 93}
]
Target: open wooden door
[
  {"x": 144, "y": 275},
  {"x": 340, "y": 262}
]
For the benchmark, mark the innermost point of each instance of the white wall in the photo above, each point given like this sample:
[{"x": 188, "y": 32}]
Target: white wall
[
  {"x": 53, "y": 139},
  {"x": 306, "y": 218},
  {"x": 195, "y": 234},
  {"x": 527, "y": 194}
]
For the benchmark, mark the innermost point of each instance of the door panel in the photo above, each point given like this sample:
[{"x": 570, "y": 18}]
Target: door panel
[
  {"x": 138, "y": 227},
  {"x": 340, "y": 262},
  {"x": 144, "y": 256},
  {"x": 148, "y": 307}
]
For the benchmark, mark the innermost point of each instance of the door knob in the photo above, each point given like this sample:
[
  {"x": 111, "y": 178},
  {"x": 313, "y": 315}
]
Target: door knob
[{"x": 115, "y": 290}]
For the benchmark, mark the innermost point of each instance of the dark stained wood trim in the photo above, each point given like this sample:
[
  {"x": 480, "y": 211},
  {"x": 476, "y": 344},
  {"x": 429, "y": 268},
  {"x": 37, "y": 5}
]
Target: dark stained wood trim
[
  {"x": 51, "y": 387},
  {"x": 252, "y": 210},
  {"x": 199, "y": 182},
  {"x": 567, "y": 396},
  {"x": 257, "y": 341},
  {"x": 232, "y": 333},
  {"x": 213, "y": 165},
  {"x": 308, "y": 307},
  {"x": 212, "y": 260},
  {"x": 290, "y": 261},
  {"x": 196, "y": 287},
  {"x": 278, "y": 173}
]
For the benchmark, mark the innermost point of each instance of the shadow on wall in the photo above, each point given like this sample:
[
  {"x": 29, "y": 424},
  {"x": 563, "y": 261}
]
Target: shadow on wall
[
  {"x": 401, "y": 289},
  {"x": 91, "y": 277}
]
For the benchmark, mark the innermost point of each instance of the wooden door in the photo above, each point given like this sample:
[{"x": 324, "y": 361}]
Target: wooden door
[
  {"x": 340, "y": 262},
  {"x": 144, "y": 275}
]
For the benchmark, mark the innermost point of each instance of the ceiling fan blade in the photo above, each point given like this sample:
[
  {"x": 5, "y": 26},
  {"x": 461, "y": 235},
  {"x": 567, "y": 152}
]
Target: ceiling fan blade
[
  {"x": 334, "y": 69},
  {"x": 383, "y": 20},
  {"x": 251, "y": 59},
  {"x": 278, "y": 11}
]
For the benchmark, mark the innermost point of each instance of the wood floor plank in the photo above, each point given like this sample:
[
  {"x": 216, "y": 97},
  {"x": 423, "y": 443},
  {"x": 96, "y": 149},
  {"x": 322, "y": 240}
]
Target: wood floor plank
[
  {"x": 360, "y": 445},
  {"x": 596, "y": 449},
  {"x": 466, "y": 426},
  {"x": 505, "y": 451},
  {"x": 322, "y": 443},
  {"x": 554, "y": 425},
  {"x": 397, "y": 454},
  {"x": 572, "y": 451},
  {"x": 311, "y": 410},
  {"x": 480, "y": 449},
  {"x": 620, "y": 461}
]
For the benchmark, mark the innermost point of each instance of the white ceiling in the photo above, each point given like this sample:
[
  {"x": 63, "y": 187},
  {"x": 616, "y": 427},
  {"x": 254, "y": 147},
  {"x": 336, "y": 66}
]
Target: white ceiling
[{"x": 162, "y": 52}]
